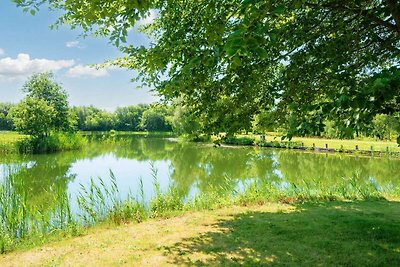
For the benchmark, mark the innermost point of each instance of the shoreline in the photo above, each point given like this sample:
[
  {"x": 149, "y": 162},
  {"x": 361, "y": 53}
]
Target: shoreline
[{"x": 300, "y": 145}]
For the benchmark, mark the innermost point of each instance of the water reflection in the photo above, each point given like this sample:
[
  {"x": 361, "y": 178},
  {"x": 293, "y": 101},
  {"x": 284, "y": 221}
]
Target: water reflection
[{"x": 190, "y": 168}]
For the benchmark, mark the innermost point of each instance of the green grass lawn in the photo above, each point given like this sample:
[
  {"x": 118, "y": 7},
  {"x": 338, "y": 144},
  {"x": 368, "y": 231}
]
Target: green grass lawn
[
  {"x": 360, "y": 233},
  {"x": 8, "y": 141},
  {"x": 10, "y": 137},
  {"x": 363, "y": 144}
]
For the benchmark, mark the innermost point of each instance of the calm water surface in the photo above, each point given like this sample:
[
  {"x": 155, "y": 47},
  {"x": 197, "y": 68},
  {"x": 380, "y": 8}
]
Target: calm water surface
[{"x": 191, "y": 168}]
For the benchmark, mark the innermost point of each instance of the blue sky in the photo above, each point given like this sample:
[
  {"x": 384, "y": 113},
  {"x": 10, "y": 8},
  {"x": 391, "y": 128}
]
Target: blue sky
[{"x": 27, "y": 45}]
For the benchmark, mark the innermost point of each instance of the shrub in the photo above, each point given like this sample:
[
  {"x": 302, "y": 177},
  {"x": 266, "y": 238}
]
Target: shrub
[
  {"x": 241, "y": 141},
  {"x": 52, "y": 143}
]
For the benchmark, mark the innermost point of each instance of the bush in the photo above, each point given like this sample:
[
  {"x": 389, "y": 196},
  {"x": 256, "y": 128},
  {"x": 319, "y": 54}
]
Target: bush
[
  {"x": 241, "y": 141},
  {"x": 198, "y": 138},
  {"x": 52, "y": 143},
  {"x": 282, "y": 144}
]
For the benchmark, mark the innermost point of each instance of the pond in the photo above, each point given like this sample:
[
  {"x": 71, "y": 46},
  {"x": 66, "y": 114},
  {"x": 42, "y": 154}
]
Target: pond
[{"x": 138, "y": 163}]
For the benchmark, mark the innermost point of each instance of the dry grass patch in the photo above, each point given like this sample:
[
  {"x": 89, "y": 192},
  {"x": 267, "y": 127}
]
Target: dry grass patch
[
  {"x": 145, "y": 244},
  {"x": 360, "y": 233}
]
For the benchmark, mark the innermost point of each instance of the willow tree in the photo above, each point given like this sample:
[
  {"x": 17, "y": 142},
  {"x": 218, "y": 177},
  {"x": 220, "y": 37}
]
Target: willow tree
[{"x": 314, "y": 59}]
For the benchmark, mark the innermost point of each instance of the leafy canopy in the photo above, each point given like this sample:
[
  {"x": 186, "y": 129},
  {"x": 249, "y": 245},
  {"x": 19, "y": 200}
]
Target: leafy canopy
[{"x": 232, "y": 59}]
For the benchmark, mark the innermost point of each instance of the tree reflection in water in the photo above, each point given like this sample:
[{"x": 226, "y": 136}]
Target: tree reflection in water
[{"x": 191, "y": 167}]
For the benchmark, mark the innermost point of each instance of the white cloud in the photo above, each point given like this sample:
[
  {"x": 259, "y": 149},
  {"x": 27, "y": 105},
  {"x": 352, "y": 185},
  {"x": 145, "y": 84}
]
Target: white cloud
[
  {"x": 86, "y": 71},
  {"x": 2, "y": 52},
  {"x": 23, "y": 66},
  {"x": 74, "y": 44}
]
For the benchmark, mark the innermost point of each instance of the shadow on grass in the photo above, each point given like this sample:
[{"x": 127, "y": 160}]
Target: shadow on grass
[{"x": 328, "y": 234}]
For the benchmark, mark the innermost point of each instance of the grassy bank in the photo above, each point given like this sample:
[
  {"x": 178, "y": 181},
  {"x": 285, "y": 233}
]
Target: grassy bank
[
  {"x": 338, "y": 144},
  {"x": 27, "y": 225},
  {"x": 13, "y": 143},
  {"x": 9, "y": 142},
  {"x": 361, "y": 146},
  {"x": 359, "y": 233}
]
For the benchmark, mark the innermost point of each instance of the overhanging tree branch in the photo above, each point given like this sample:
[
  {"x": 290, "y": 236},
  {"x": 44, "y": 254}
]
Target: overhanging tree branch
[
  {"x": 367, "y": 13},
  {"x": 395, "y": 11}
]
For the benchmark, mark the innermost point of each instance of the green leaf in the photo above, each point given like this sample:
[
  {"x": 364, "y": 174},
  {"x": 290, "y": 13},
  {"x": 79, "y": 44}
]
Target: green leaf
[
  {"x": 236, "y": 62},
  {"x": 298, "y": 3},
  {"x": 230, "y": 51},
  {"x": 279, "y": 9},
  {"x": 262, "y": 53},
  {"x": 273, "y": 37},
  {"x": 247, "y": 2}
]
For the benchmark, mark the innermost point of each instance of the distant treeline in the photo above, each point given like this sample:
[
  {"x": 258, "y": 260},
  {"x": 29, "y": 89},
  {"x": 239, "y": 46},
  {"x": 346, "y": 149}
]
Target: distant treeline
[
  {"x": 88, "y": 118},
  {"x": 131, "y": 118},
  {"x": 182, "y": 121}
]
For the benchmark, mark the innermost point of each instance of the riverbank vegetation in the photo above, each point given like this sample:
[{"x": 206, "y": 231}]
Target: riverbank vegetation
[
  {"x": 12, "y": 142},
  {"x": 182, "y": 122},
  {"x": 45, "y": 111},
  {"x": 377, "y": 137},
  {"x": 24, "y": 223},
  {"x": 360, "y": 144},
  {"x": 44, "y": 116}
]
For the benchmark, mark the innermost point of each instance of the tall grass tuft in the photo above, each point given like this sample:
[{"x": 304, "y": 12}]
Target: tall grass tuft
[
  {"x": 99, "y": 202},
  {"x": 13, "y": 214},
  {"x": 164, "y": 204}
]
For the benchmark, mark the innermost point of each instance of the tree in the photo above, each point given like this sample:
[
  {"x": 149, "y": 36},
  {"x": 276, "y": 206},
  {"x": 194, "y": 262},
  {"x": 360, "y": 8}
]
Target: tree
[
  {"x": 43, "y": 86},
  {"x": 265, "y": 121},
  {"x": 94, "y": 119},
  {"x": 99, "y": 121},
  {"x": 184, "y": 121},
  {"x": 128, "y": 118},
  {"x": 294, "y": 56},
  {"x": 5, "y": 121},
  {"x": 154, "y": 119},
  {"x": 33, "y": 116},
  {"x": 385, "y": 126},
  {"x": 81, "y": 114},
  {"x": 44, "y": 109}
]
